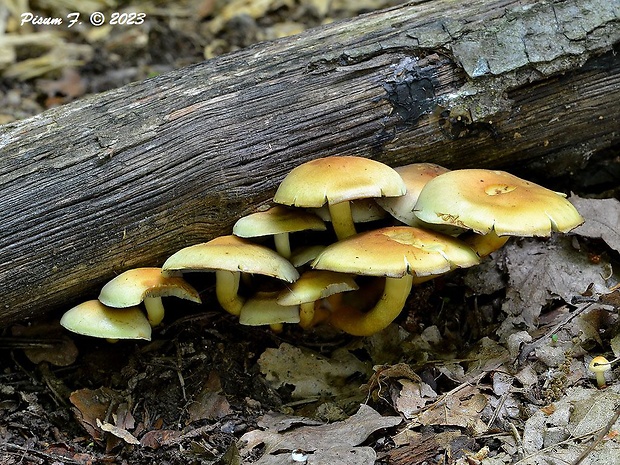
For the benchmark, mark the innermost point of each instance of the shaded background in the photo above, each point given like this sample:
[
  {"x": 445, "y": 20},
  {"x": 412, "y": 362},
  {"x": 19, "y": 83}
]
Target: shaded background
[{"x": 42, "y": 66}]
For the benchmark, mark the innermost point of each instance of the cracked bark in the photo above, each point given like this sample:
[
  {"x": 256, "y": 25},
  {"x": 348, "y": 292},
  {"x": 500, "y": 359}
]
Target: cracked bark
[{"x": 126, "y": 178}]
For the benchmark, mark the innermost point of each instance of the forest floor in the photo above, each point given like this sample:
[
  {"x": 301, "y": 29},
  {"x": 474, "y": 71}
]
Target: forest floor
[{"x": 484, "y": 366}]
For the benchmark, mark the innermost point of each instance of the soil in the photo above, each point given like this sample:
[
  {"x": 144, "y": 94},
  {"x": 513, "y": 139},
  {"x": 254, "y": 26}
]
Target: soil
[{"x": 200, "y": 385}]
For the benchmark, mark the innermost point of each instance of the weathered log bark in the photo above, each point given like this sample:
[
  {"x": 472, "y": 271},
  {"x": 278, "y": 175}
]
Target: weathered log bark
[{"x": 126, "y": 178}]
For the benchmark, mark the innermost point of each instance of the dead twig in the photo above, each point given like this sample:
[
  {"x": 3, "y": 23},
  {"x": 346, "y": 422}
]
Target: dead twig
[
  {"x": 443, "y": 397},
  {"x": 531, "y": 346},
  {"x": 599, "y": 437},
  {"x": 38, "y": 456}
]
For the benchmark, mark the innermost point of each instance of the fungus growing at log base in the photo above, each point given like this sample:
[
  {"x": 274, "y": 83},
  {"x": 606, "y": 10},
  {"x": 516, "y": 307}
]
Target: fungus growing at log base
[
  {"x": 415, "y": 176},
  {"x": 146, "y": 285},
  {"x": 92, "y": 318},
  {"x": 228, "y": 257},
  {"x": 399, "y": 253},
  {"x": 336, "y": 181},
  {"x": 278, "y": 222},
  {"x": 490, "y": 205},
  {"x": 264, "y": 309},
  {"x": 311, "y": 287},
  {"x": 494, "y": 205}
]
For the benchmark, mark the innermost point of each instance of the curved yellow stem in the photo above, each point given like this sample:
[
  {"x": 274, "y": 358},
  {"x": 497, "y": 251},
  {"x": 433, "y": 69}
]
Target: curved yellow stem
[
  {"x": 226, "y": 290},
  {"x": 353, "y": 321}
]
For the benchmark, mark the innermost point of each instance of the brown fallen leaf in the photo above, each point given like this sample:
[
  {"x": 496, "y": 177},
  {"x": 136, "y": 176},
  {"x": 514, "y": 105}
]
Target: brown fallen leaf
[
  {"x": 413, "y": 396},
  {"x": 118, "y": 432},
  {"x": 310, "y": 373},
  {"x": 159, "y": 437},
  {"x": 347, "y": 433},
  {"x": 210, "y": 403},
  {"x": 541, "y": 271},
  {"x": 461, "y": 408},
  {"x": 46, "y": 342},
  {"x": 69, "y": 87},
  {"x": 91, "y": 405},
  {"x": 602, "y": 219}
]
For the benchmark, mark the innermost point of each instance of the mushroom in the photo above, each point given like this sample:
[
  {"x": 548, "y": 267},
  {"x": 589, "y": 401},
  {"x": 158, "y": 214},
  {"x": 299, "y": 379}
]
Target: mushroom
[
  {"x": 146, "y": 285},
  {"x": 228, "y": 257},
  {"x": 599, "y": 365},
  {"x": 263, "y": 309},
  {"x": 415, "y": 176},
  {"x": 305, "y": 254},
  {"x": 400, "y": 253},
  {"x": 337, "y": 180},
  {"x": 495, "y": 205},
  {"x": 92, "y": 318},
  {"x": 311, "y": 287},
  {"x": 278, "y": 221}
]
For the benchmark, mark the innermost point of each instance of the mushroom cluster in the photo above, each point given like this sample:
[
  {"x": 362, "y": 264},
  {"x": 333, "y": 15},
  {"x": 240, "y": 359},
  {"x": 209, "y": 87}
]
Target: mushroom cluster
[{"x": 430, "y": 221}]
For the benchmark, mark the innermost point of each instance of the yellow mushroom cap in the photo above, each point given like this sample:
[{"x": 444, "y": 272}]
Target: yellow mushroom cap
[
  {"x": 415, "y": 176},
  {"x": 485, "y": 200},
  {"x": 396, "y": 251},
  {"x": 263, "y": 309},
  {"x": 231, "y": 253},
  {"x": 305, "y": 254},
  {"x": 94, "y": 319},
  {"x": 314, "y": 285},
  {"x": 277, "y": 220},
  {"x": 599, "y": 365},
  {"x": 133, "y": 286},
  {"x": 338, "y": 179}
]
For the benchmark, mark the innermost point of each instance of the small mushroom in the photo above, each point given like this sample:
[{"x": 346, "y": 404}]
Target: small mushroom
[
  {"x": 305, "y": 254},
  {"x": 278, "y": 222},
  {"x": 336, "y": 181},
  {"x": 228, "y": 257},
  {"x": 494, "y": 205},
  {"x": 599, "y": 365},
  {"x": 397, "y": 253},
  {"x": 264, "y": 309},
  {"x": 415, "y": 176},
  {"x": 146, "y": 285},
  {"x": 94, "y": 319},
  {"x": 311, "y": 287}
]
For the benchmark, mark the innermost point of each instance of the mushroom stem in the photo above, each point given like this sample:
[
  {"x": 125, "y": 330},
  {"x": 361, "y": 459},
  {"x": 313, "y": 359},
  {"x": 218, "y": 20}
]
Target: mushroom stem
[
  {"x": 283, "y": 244},
  {"x": 306, "y": 314},
  {"x": 342, "y": 221},
  {"x": 485, "y": 244},
  {"x": 355, "y": 322},
  {"x": 226, "y": 290},
  {"x": 312, "y": 314},
  {"x": 600, "y": 379},
  {"x": 154, "y": 310}
]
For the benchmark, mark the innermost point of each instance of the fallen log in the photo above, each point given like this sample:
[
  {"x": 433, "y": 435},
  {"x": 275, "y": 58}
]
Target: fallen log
[{"x": 126, "y": 178}]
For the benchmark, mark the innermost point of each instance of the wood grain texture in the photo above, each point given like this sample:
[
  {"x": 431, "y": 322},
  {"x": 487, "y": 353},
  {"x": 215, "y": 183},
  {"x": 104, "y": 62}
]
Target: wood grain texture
[{"x": 128, "y": 177}]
